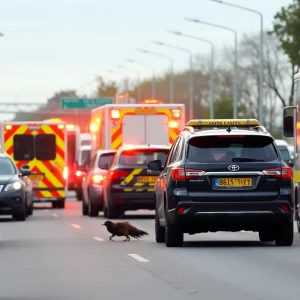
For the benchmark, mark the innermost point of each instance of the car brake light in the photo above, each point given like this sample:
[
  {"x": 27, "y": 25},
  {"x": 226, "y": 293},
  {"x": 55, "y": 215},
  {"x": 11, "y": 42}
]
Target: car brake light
[
  {"x": 97, "y": 178},
  {"x": 185, "y": 174},
  {"x": 181, "y": 209},
  {"x": 60, "y": 126},
  {"x": 65, "y": 173},
  {"x": 8, "y": 127},
  {"x": 116, "y": 174},
  {"x": 284, "y": 172},
  {"x": 78, "y": 173}
]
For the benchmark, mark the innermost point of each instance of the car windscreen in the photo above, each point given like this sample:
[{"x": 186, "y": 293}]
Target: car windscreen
[
  {"x": 85, "y": 156},
  {"x": 141, "y": 157},
  {"x": 105, "y": 158},
  {"x": 210, "y": 149},
  {"x": 85, "y": 143},
  {"x": 285, "y": 153},
  {"x": 7, "y": 167}
]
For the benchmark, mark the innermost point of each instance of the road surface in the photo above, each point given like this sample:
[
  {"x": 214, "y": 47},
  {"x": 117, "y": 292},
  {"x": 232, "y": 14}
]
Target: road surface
[{"x": 59, "y": 254}]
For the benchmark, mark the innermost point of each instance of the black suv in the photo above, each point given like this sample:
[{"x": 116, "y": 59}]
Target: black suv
[
  {"x": 223, "y": 175},
  {"x": 128, "y": 184}
]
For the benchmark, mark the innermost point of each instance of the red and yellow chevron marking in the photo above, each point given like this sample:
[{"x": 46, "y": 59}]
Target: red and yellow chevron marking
[
  {"x": 116, "y": 131},
  {"x": 52, "y": 169}
]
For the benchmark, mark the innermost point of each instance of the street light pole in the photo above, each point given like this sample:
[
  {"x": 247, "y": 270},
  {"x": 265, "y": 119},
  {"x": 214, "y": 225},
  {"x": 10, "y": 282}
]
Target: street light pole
[
  {"x": 191, "y": 81},
  {"x": 139, "y": 80},
  {"x": 171, "y": 69},
  {"x": 235, "y": 82},
  {"x": 148, "y": 66},
  {"x": 261, "y": 56},
  {"x": 211, "y": 92}
]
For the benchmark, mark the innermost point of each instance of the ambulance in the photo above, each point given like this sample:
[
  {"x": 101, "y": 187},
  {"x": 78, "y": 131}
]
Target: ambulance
[
  {"x": 42, "y": 146},
  {"x": 114, "y": 125}
]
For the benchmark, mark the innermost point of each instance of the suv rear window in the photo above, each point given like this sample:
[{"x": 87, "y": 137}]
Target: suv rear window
[
  {"x": 211, "y": 149},
  {"x": 106, "y": 158},
  {"x": 142, "y": 157}
]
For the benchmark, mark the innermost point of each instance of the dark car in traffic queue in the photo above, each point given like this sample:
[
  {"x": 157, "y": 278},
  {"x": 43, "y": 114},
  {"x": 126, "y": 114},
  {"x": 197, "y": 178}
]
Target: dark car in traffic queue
[
  {"x": 128, "y": 184},
  {"x": 92, "y": 182},
  {"x": 82, "y": 165},
  {"x": 15, "y": 189},
  {"x": 223, "y": 175}
]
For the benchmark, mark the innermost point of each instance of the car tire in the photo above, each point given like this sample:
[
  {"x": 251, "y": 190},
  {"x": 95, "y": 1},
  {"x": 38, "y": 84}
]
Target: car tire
[
  {"x": 61, "y": 203},
  {"x": 173, "y": 235},
  {"x": 285, "y": 234},
  {"x": 93, "y": 210},
  {"x": 79, "y": 195},
  {"x": 159, "y": 232},
  {"x": 266, "y": 236},
  {"x": 30, "y": 210},
  {"x": 85, "y": 209},
  {"x": 105, "y": 211},
  {"x": 21, "y": 215}
]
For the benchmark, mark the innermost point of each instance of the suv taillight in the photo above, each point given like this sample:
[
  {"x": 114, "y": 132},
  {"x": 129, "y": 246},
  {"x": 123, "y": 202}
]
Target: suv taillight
[
  {"x": 185, "y": 174},
  {"x": 284, "y": 172}
]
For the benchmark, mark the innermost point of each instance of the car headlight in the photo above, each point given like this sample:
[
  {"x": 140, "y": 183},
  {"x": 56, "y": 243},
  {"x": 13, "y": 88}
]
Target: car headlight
[{"x": 13, "y": 186}]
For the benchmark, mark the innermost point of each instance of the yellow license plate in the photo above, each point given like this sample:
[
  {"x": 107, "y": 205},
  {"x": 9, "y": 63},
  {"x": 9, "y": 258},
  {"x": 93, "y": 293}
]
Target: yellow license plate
[
  {"x": 147, "y": 179},
  {"x": 233, "y": 182},
  {"x": 36, "y": 177}
]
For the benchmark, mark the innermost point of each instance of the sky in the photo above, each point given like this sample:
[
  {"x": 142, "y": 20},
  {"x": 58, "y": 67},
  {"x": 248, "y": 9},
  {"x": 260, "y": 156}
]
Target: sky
[{"x": 53, "y": 45}]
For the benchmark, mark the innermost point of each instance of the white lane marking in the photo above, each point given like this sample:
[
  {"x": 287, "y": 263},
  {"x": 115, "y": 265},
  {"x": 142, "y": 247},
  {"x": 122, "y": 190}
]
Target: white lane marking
[
  {"x": 46, "y": 210},
  {"x": 75, "y": 226},
  {"x": 55, "y": 215},
  {"x": 138, "y": 258},
  {"x": 98, "y": 239}
]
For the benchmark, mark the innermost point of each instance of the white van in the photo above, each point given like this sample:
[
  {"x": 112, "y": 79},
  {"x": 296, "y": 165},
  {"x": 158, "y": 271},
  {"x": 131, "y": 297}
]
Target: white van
[{"x": 286, "y": 154}]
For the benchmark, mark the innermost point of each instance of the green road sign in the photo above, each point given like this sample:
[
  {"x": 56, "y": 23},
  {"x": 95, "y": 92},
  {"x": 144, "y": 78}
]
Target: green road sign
[{"x": 84, "y": 103}]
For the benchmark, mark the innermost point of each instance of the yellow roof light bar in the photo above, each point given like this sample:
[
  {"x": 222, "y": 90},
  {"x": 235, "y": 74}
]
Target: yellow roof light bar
[{"x": 223, "y": 122}]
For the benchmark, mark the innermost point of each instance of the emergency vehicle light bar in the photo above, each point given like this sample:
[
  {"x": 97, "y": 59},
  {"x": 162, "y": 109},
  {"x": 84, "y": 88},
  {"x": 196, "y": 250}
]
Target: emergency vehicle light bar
[{"x": 223, "y": 122}]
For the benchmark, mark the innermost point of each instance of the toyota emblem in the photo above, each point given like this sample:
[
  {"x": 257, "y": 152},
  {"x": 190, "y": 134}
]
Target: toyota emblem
[{"x": 233, "y": 168}]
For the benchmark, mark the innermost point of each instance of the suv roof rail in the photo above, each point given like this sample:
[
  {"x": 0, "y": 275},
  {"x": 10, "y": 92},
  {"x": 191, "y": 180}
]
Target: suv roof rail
[
  {"x": 190, "y": 129},
  {"x": 261, "y": 128}
]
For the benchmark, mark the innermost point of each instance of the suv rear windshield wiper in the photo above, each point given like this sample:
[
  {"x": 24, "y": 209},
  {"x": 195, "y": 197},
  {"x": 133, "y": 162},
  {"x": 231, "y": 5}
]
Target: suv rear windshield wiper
[{"x": 241, "y": 159}]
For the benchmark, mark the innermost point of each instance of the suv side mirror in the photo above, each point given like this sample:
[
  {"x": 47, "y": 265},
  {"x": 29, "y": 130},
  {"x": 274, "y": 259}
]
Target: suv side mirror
[
  {"x": 291, "y": 162},
  {"x": 288, "y": 121},
  {"x": 104, "y": 166},
  {"x": 155, "y": 165},
  {"x": 25, "y": 170}
]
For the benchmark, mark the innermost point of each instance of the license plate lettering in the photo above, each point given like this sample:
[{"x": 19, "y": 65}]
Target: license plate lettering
[
  {"x": 234, "y": 182},
  {"x": 147, "y": 179}
]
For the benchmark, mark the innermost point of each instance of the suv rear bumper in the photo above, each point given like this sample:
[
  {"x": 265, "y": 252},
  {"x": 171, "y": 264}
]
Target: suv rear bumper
[
  {"x": 133, "y": 200},
  {"x": 227, "y": 216}
]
